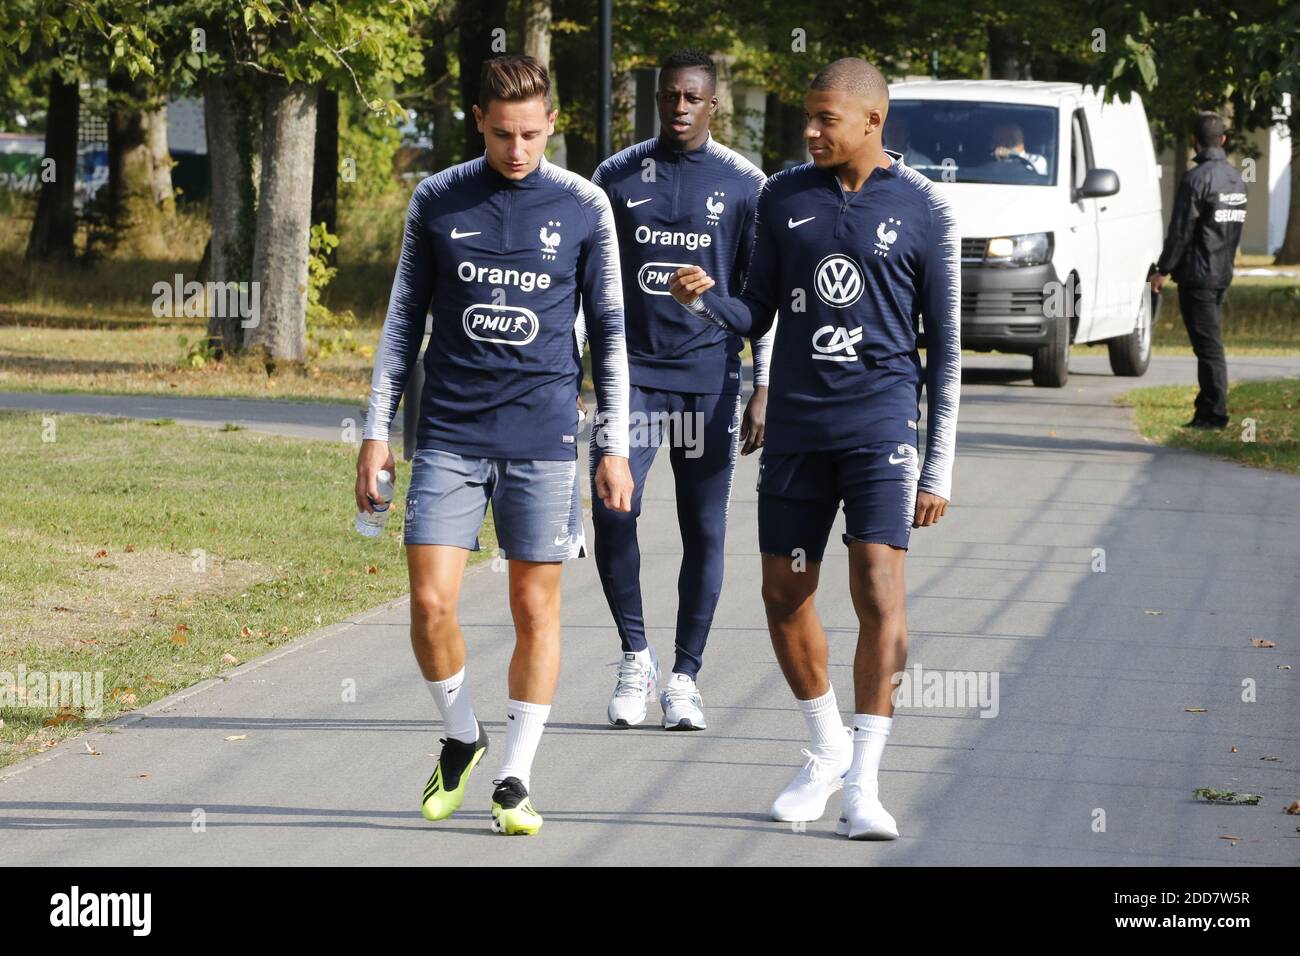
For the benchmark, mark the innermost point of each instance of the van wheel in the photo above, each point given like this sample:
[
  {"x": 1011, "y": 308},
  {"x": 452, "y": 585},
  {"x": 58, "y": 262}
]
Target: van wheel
[
  {"x": 1052, "y": 361},
  {"x": 1131, "y": 354}
]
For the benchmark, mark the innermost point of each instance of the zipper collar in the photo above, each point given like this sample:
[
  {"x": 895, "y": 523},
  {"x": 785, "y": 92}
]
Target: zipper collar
[
  {"x": 531, "y": 181},
  {"x": 698, "y": 154}
]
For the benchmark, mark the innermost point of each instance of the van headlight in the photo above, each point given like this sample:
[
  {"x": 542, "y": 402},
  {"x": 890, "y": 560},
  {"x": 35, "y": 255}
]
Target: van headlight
[{"x": 1030, "y": 249}]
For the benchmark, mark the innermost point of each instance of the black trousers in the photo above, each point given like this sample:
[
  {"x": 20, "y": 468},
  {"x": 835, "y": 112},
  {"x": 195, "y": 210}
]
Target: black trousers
[{"x": 1204, "y": 321}]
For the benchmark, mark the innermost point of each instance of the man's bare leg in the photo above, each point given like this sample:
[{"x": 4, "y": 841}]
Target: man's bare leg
[
  {"x": 877, "y": 587},
  {"x": 797, "y": 636},
  {"x": 801, "y": 649},
  {"x": 879, "y": 594},
  {"x": 535, "y": 664},
  {"x": 535, "y": 606},
  {"x": 435, "y": 572}
]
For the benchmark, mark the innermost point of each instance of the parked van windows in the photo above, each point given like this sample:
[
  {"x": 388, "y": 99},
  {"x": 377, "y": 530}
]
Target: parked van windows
[{"x": 978, "y": 142}]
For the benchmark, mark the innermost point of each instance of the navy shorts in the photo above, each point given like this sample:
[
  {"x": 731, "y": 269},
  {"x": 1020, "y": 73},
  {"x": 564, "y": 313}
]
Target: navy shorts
[
  {"x": 536, "y": 505},
  {"x": 799, "y": 494}
]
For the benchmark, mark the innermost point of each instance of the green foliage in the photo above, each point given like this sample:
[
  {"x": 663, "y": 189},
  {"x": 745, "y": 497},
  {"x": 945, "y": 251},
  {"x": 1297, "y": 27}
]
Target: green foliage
[
  {"x": 327, "y": 331},
  {"x": 196, "y": 354},
  {"x": 367, "y": 145},
  {"x": 1185, "y": 59}
]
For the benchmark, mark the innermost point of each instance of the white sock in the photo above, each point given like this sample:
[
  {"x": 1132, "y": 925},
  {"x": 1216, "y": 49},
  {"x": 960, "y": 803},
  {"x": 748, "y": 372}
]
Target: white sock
[
  {"x": 824, "y": 724},
  {"x": 870, "y": 731},
  {"x": 452, "y": 697},
  {"x": 524, "y": 723}
]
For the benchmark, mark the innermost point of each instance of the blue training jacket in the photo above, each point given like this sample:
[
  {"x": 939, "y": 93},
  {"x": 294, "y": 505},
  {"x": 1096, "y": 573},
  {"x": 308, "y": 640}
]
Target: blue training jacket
[
  {"x": 854, "y": 274},
  {"x": 508, "y": 266},
  {"x": 676, "y": 207}
]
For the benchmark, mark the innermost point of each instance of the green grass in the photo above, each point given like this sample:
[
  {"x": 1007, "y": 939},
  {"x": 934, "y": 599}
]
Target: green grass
[
  {"x": 150, "y": 551},
  {"x": 1273, "y": 406}
]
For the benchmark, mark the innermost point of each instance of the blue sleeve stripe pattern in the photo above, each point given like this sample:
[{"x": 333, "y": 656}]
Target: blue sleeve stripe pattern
[
  {"x": 941, "y": 312},
  {"x": 601, "y": 315},
  {"x": 762, "y": 346},
  {"x": 408, "y": 303}
]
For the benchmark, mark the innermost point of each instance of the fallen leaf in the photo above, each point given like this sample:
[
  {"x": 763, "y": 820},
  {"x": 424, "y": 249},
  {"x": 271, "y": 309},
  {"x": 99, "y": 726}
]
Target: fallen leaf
[
  {"x": 60, "y": 718},
  {"x": 238, "y": 737},
  {"x": 1270, "y": 758},
  {"x": 130, "y": 548},
  {"x": 1260, "y": 642},
  {"x": 139, "y": 775},
  {"x": 179, "y": 639},
  {"x": 1211, "y": 795},
  {"x": 1229, "y": 838},
  {"x": 92, "y": 752},
  {"x": 1284, "y": 667},
  {"x": 101, "y": 553},
  {"x": 371, "y": 569},
  {"x": 229, "y": 659},
  {"x": 1152, "y": 613},
  {"x": 1234, "y": 749},
  {"x": 127, "y": 700},
  {"x": 1194, "y": 710},
  {"x": 1294, "y": 807},
  {"x": 246, "y": 631}
]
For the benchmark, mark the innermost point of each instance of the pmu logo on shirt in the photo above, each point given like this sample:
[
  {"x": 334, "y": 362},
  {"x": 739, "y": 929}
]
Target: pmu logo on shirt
[
  {"x": 502, "y": 324},
  {"x": 654, "y": 277},
  {"x": 838, "y": 281}
]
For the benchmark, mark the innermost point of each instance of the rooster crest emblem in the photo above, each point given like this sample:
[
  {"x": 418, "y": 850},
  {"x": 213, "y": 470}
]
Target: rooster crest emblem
[
  {"x": 550, "y": 240},
  {"x": 886, "y": 236},
  {"x": 714, "y": 205}
]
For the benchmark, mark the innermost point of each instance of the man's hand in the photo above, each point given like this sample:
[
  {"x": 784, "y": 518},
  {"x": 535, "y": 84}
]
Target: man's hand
[
  {"x": 582, "y": 410},
  {"x": 929, "y": 509},
  {"x": 753, "y": 426},
  {"x": 374, "y": 456},
  {"x": 1157, "y": 282},
  {"x": 689, "y": 283},
  {"x": 614, "y": 483}
]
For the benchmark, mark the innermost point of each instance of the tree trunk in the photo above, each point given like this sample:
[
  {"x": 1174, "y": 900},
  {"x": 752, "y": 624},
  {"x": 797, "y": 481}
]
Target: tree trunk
[
  {"x": 578, "y": 76},
  {"x": 1005, "y": 52},
  {"x": 478, "y": 18},
  {"x": 724, "y": 124},
  {"x": 1289, "y": 252},
  {"x": 325, "y": 177},
  {"x": 284, "y": 221},
  {"x": 437, "y": 80},
  {"x": 134, "y": 219},
  {"x": 54, "y": 228},
  {"x": 783, "y": 140},
  {"x": 228, "y": 117},
  {"x": 160, "y": 160},
  {"x": 535, "y": 26}
]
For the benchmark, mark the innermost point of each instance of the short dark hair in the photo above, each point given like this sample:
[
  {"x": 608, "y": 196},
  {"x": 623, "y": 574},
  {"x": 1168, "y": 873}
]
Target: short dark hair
[
  {"x": 854, "y": 75},
  {"x": 513, "y": 79},
  {"x": 691, "y": 59},
  {"x": 1208, "y": 128}
]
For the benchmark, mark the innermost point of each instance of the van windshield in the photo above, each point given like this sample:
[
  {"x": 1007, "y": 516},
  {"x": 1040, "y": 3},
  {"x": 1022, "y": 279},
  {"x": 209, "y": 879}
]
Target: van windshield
[{"x": 975, "y": 142}]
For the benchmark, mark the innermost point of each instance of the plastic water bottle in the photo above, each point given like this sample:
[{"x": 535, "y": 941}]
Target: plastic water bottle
[{"x": 370, "y": 524}]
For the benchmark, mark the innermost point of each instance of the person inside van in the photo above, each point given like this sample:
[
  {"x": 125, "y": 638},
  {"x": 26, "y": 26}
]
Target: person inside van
[
  {"x": 900, "y": 140},
  {"x": 1007, "y": 143}
]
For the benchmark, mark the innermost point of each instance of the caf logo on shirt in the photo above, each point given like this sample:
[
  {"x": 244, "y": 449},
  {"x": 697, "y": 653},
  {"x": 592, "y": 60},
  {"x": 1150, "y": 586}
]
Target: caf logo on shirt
[
  {"x": 714, "y": 207},
  {"x": 835, "y": 343},
  {"x": 838, "y": 281},
  {"x": 550, "y": 240},
  {"x": 886, "y": 237}
]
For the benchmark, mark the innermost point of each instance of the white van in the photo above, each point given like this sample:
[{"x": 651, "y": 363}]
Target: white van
[{"x": 1057, "y": 196}]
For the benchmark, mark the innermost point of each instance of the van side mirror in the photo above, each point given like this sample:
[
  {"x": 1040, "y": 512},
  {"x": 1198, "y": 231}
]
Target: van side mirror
[{"x": 1098, "y": 183}]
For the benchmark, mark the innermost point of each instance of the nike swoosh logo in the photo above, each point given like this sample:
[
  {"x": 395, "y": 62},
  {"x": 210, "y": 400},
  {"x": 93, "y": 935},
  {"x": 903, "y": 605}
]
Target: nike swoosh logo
[
  {"x": 792, "y": 224},
  {"x": 898, "y": 461},
  {"x": 633, "y": 205},
  {"x": 461, "y": 235}
]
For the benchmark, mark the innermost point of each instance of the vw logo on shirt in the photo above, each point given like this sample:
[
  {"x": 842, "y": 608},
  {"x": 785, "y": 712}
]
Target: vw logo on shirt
[{"x": 838, "y": 281}]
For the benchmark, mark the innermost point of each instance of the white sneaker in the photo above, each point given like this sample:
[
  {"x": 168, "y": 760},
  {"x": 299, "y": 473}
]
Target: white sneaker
[
  {"x": 680, "y": 700},
  {"x": 804, "y": 797},
  {"x": 637, "y": 674},
  {"x": 863, "y": 818}
]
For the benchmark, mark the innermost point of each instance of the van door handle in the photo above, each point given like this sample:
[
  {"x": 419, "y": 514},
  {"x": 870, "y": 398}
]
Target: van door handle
[{"x": 1101, "y": 208}]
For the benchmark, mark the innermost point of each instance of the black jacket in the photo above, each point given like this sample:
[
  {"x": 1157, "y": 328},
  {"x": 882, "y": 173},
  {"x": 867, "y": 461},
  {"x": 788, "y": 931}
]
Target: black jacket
[{"x": 1205, "y": 228}]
